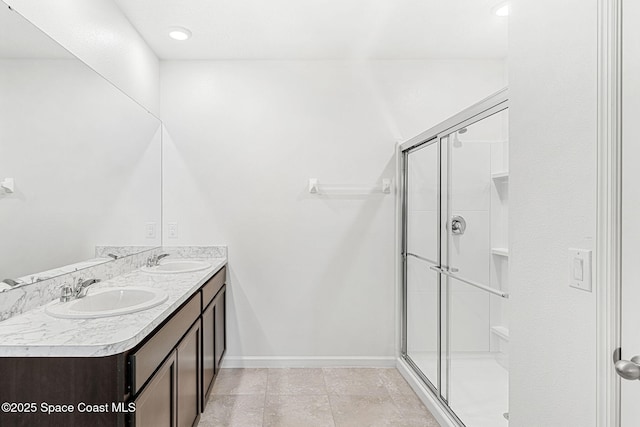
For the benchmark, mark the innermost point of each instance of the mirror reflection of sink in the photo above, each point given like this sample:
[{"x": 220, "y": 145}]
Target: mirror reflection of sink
[
  {"x": 174, "y": 267},
  {"x": 108, "y": 302}
]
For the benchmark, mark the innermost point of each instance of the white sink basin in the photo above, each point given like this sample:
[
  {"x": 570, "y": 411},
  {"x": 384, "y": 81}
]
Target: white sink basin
[
  {"x": 108, "y": 302},
  {"x": 174, "y": 267}
]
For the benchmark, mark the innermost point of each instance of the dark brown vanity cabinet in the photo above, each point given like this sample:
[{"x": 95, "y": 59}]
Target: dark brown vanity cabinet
[
  {"x": 208, "y": 350},
  {"x": 187, "y": 373},
  {"x": 220, "y": 327},
  {"x": 166, "y": 377},
  {"x": 168, "y": 365},
  {"x": 172, "y": 396},
  {"x": 155, "y": 406},
  {"x": 213, "y": 332}
]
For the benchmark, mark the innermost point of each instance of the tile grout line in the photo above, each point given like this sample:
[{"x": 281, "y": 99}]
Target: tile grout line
[
  {"x": 264, "y": 402},
  {"x": 413, "y": 394},
  {"x": 385, "y": 384},
  {"x": 326, "y": 389},
  {"x": 397, "y": 395}
]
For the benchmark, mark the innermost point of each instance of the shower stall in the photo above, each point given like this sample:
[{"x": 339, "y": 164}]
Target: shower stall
[{"x": 455, "y": 257}]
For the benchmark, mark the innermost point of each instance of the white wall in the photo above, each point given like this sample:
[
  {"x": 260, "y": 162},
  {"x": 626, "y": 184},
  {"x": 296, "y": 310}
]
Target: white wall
[
  {"x": 414, "y": 95},
  {"x": 310, "y": 276},
  {"x": 552, "y": 80},
  {"x": 99, "y": 34},
  {"x": 86, "y": 164}
]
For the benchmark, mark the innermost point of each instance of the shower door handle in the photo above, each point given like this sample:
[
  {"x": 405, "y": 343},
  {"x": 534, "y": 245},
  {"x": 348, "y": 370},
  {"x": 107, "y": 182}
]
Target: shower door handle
[
  {"x": 458, "y": 225},
  {"x": 629, "y": 369}
]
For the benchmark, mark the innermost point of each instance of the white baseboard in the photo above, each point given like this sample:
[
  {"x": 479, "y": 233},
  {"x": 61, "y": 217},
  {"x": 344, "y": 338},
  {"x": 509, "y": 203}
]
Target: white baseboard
[
  {"x": 307, "y": 362},
  {"x": 432, "y": 404}
]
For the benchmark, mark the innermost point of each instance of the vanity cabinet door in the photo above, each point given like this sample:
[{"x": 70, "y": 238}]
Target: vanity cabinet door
[
  {"x": 208, "y": 351},
  {"x": 188, "y": 372},
  {"x": 155, "y": 406},
  {"x": 145, "y": 360},
  {"x": 220, "y": 326}
]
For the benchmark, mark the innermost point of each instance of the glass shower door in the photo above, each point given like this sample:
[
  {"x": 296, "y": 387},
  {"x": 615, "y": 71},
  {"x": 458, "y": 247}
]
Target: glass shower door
[
  {"x": 456, "y": 262},
  {"x": 475, "y": 266},
  {"x": 422, "y": 252}
]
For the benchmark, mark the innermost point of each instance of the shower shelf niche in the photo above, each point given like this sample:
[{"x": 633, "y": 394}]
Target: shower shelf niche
[
  {"x": 500, "y": 176},
  {"x": 501, "y": 331},
  {"x": 500, "y": 251},
  {"x": 499, "y": 248}
]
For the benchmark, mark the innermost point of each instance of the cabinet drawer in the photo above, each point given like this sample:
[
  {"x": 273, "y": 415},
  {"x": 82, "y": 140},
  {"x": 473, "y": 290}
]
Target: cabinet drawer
[
  {"x": 145, "y": 360},
  {"x": 211, "y": 288}
]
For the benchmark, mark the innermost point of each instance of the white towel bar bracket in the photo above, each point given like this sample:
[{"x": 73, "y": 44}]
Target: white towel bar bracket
[{"x": 316, "y": 188}]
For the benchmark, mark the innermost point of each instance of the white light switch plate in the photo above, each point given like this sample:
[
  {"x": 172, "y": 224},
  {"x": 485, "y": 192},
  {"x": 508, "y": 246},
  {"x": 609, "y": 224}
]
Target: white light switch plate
[
  {"x": 173, "y": 230},
  {"x": 150, "y": 230},
  {"x": 580, "y": 269}
]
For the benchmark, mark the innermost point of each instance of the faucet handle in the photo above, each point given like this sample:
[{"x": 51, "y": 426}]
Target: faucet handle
[{"x": 66, "y": 293}]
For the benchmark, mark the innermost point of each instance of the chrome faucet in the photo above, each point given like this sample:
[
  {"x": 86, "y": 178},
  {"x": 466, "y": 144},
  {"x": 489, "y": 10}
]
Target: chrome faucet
[
  {"x": 80, "y": 290},
  {"x": 154, "y": 260}
]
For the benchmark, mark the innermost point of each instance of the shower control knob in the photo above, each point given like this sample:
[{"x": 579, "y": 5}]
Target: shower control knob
[
  {"x": 458, "y": 225},
  {"x": 629, "y": 369}
]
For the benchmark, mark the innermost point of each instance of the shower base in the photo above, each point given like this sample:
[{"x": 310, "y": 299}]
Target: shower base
[{"x": 478, "y": 388}]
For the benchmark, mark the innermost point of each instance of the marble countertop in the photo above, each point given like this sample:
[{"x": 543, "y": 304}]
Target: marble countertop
[{"x": 37, "y": 334}]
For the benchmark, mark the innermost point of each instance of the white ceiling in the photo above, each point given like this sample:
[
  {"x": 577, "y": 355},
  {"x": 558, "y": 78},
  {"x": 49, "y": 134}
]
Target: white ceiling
[{"x": 321, "y": 29}]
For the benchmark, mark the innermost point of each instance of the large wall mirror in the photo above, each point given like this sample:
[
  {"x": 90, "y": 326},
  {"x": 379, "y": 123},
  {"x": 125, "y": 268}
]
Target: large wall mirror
[{"x": 80, "y": 161}]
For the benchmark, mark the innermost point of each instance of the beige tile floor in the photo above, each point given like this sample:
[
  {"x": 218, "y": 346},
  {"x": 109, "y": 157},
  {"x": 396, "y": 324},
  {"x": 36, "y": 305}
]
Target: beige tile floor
[{"x": 340, "y": 397}]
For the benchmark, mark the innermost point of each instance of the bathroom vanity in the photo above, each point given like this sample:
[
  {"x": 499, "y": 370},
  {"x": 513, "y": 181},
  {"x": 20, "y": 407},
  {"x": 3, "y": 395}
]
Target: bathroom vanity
[{"x": 151, "y": 368}]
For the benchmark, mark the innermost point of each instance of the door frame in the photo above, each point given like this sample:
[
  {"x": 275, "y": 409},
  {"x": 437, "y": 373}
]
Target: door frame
[{"x": 609, "y": 209}]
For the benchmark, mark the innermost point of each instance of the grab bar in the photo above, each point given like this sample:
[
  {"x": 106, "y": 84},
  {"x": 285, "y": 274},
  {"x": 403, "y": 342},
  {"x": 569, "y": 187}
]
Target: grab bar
[{"x": 469, "y": 282}]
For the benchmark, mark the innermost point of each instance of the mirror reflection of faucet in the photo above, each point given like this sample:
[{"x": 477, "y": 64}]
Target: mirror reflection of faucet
[{"x": 9, "y": 284}]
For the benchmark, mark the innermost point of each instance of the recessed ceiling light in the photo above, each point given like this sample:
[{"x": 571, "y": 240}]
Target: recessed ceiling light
[
  {"x": 179, "y": 33},
  {"x": 501, "y": 9}
]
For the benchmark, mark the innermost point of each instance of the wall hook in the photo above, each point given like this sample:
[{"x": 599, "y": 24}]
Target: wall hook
[{"x": 313, "y": 186}]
